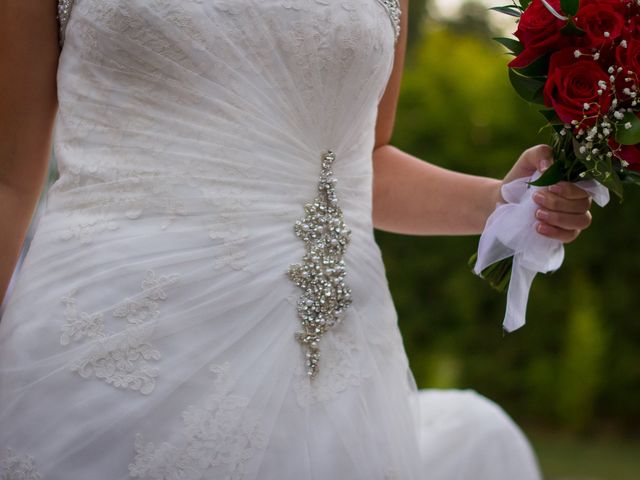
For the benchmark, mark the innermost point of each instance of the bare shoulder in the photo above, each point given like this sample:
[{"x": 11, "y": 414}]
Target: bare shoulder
[{"x": 389, "y": 102}]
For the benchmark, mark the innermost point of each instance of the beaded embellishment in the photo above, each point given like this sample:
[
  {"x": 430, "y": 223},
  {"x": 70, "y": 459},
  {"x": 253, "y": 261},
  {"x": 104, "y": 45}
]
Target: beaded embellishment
[
  {"x": 64, "y": 12},
  {"x": 393, "y": 8},
  {"x": 321, "y": 274}
]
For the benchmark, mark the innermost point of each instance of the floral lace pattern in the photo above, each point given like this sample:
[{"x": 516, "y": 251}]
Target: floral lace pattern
[
  {"x": 121, "y": 359},
  {"x": 18, "y": 467},
  {"x": 217, "y": 439},
  {"x": 342, "y": 370}
]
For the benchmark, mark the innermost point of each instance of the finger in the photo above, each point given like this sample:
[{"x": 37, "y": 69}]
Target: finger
[
  {"x": 565, "y": 221},
  {"x": 568, "y": 190},
  {"x": 551, "y": 201},
  {"x": 565, "y": 236},
  {"x": 539, "y": 156}
]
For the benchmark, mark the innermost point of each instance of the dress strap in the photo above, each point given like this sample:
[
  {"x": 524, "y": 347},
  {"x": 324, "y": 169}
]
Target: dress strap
[
  {"x": 393, "y": 9},
  {"x": 64, "y": 12}
]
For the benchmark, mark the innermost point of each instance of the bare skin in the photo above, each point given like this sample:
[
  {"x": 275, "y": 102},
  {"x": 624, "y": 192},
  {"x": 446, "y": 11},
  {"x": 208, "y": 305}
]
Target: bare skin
[
  {"x": 410, "y": 196},
  {"x": 414, "y": 197},
  {"x": 28, "y": 63}
]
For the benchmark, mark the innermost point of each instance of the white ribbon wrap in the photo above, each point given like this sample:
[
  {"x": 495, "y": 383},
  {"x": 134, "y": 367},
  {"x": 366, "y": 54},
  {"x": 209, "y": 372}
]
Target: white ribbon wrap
[{"x": 510, "y": 232}]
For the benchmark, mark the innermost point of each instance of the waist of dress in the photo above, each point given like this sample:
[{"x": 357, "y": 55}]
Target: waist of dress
[{"x": 152, "y": 205}]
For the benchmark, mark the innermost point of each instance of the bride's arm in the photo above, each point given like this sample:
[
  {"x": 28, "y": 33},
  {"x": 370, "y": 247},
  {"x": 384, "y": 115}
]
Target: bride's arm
[
  {"x": 411, "y": 196},
  {"x": 28, "y": 102}
]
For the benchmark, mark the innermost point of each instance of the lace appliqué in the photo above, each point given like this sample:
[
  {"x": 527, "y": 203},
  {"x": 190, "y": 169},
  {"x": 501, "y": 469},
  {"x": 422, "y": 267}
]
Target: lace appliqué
[
  {"x": 15, "y": 467},
  {"x": 393, "y": 9},
  {"x": 64, "y": 13},
  {"x": 342, "y": 370},
  {"x": 85, "y": 229},
  {"x": 217, "y": 440},
  {"x": 119, "y": 358},
  {"x": 321, "y": 275}
]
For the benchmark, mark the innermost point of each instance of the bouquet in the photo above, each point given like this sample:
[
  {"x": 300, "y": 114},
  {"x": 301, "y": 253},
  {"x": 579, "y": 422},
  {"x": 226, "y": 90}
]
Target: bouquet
[{"x": 580, "y": 61}]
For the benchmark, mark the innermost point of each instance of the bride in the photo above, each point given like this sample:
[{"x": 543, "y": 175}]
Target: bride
[{"x": 203, "y": 297}]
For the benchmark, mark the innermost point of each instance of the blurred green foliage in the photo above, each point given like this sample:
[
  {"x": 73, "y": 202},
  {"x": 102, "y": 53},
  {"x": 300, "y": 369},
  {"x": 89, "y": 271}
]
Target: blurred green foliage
[{"x": 576, "y": 364}]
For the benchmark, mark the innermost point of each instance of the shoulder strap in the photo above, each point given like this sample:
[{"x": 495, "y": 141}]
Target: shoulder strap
[
  {"x": 64, "y": 12},
  {"x": 393, "y": 9}
]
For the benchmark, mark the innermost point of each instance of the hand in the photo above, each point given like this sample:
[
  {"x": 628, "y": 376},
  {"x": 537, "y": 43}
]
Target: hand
[{"x": 564, "y": 207}]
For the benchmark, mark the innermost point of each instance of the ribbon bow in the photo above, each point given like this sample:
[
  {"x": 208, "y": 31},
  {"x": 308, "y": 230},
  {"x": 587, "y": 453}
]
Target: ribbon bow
[{"x": 510, "y": 232}]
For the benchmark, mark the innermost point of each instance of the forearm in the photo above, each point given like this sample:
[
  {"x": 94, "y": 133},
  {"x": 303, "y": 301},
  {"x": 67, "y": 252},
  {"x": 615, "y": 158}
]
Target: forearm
[
  {"x": 413, "y": 197},
  {"x": 15, "y": 216}
]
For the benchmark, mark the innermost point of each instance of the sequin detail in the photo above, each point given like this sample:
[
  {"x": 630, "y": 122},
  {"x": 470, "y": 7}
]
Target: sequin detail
[
  {"x": 64, "y": 12},
  {"x": 321, "y": 274},
  {"x": 393, "y": 9}
]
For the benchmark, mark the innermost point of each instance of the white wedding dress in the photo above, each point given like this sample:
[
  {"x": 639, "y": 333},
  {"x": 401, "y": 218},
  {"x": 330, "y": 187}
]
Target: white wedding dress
[{"x": 153, "y": 329}]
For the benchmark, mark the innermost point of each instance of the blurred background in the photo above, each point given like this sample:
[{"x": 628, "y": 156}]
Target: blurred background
[{"x": 571, "y": 376}]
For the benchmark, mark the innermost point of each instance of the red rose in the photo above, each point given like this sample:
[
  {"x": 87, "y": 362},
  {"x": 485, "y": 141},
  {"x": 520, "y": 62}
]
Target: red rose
[
  {"x": 629, "y": 57},
  {"x": 573, "y": 84},
  {"x": 633, "y": 28},
  {"x": 626, "y": 8},
  {"x": 602, "y": 21},
  {"x": 628, "y": 153},
  {"x": 539, "y": 32}
]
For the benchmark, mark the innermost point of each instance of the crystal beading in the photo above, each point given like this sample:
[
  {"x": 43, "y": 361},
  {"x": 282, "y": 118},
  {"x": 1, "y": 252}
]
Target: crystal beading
[
  {"x": 393, "y": 9},
  {"x": 64, "y": 12},
  {"x": 321, "y": 274}
]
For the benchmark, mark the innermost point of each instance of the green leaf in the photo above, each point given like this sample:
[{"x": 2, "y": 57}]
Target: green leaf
[
  {"x": 530, "y": 89},
  {"x": 508, "y": 10},
  {"x": 628, "y": 136},
  {"x": 571, "y": 29},
  {"x": 524, "y": 3},
  {"x": 611, "y": 180},
  {"x": 538, "y": 68},
  {"x": 576, "y": 150},
  {"x": 604, "y": 171},
  {"x": 552, "y": 175},
  {"x": 551, "y": 116},
  {"x": 570, "y": 7},
  {"x": 631, "y": 177},
  {"x": 514, "y": 46}
]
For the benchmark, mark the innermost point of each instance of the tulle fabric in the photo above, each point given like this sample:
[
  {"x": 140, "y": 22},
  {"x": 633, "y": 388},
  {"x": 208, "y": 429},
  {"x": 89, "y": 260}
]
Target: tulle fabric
[{"x": 150, "y": 333}]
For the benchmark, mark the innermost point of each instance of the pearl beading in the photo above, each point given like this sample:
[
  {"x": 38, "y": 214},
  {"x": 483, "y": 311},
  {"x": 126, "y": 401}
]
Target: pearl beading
[
  {"x": 64, "y": 12},
  {"x": 393, "y": 9},
  {"x": 321, "y": 274}
]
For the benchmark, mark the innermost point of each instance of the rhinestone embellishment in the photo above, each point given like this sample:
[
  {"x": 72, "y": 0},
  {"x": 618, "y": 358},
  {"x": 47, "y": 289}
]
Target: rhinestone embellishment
[
  {"x": 64, "y": 12},
  {"x": 393, "y": 9},
  {"x": 321, "y": 274}
]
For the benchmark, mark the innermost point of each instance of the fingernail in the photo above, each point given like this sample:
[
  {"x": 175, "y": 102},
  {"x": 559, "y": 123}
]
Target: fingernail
[
  {"x": 541, "y": 229},
  {"x": 538, "y": 198},
  {"x": 554, "y": 188},
  {"x": 542, "y": 214},
  {"x": 544, "y": 164}
]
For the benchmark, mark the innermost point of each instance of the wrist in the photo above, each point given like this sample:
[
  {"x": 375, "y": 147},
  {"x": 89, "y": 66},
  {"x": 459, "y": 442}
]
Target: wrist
[
  {"x": 493, "y": 198},
  {"x": 496, "y": 193}
]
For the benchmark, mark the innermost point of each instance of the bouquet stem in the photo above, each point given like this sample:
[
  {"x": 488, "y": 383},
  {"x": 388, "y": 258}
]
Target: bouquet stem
[{"x": 497, "y": 274}]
